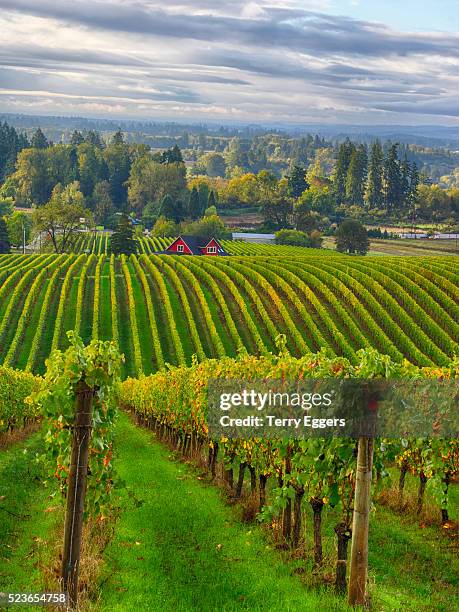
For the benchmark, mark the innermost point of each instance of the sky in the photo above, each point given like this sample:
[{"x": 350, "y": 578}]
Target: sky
[{"x": 251, "y": 61}]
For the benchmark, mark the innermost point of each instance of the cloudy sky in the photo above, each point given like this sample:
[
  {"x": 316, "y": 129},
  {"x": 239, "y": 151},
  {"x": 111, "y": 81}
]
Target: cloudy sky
[{"x": 333, "y": 61}]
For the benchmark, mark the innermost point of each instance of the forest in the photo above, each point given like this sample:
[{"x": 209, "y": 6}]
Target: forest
[{"x": 307, "y": 184}]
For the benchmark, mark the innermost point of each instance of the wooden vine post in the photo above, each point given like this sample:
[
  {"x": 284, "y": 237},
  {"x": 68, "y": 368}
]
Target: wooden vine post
[
  {"x": 77, "y": 491},
  {"x": 372, "y": 394},
  {"x": 76, "y": 397},
  {"x": 360, "y": 523}
]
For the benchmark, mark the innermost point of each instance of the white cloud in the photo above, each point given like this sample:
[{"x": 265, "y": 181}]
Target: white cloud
[
  {"x": 252, "y": 10},
  {"x": 254, "y": 61}
]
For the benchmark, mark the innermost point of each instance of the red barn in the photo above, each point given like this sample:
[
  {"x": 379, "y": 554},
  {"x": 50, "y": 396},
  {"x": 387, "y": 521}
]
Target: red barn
[{"x": 192, "y": 245}]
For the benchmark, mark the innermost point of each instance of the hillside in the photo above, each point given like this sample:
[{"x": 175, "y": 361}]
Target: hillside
[{"x": 164, "y": 309}]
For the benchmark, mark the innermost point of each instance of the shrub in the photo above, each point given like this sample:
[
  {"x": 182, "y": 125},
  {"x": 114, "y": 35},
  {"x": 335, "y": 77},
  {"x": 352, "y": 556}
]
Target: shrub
[
  {"x": 164, "y": 228},
  {"x": 207, "y": 227},
  {"x": 297, "y": 238}
]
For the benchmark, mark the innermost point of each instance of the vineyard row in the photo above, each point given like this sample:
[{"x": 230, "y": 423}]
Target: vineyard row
[{"x": 165, "y": 309}]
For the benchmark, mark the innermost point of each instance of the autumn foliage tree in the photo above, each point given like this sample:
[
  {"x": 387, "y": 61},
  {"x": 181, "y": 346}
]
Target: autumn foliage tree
[{"x": 61, "y": 217}]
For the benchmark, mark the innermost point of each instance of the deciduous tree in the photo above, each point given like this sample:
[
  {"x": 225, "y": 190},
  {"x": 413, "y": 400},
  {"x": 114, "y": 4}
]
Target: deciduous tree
[
  {"x": 61, "y": 216},
  {"x": 352, "y": 237},
  {"x": 18, "y": 224}
]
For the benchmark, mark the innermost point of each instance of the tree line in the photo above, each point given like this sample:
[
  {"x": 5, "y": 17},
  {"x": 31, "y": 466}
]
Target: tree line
[
  {"x": 376, "y": 178},
  {"x": 323, "y": 185}
]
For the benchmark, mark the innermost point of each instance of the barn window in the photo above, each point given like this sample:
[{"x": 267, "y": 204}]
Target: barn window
[
  {"x": 180, "y": 248},
  {"x": 212, "y": 249}
]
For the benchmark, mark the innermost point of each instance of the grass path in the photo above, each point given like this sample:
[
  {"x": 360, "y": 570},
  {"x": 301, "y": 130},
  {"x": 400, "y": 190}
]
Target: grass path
[
  {"x": 185, "y": 550},
  {"x": 26, "y": 524}
]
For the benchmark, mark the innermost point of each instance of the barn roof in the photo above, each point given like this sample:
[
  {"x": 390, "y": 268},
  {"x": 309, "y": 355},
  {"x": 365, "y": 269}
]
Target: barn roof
[{"x": 195, "y": 244}]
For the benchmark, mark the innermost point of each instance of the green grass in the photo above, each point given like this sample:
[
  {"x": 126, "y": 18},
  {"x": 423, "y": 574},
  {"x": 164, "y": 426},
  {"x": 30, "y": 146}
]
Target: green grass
[
  {"x": 185, "y": 550},
  {"x": 404, "y": 247},
  {"x": 411, "y": 491},
  {"x": 143, "y": 322},
  {"x": 44, "y": 346},
  {"x": 219, "y": 321},
  {"x": 414, "y": 569},
  {"x": 22, "y": 354},
  {"x": 25, "y": 525},
  {"x": 88, "y": 303},
  {"x": 181, "y": 323},
  {"x": 68, "y": 320},
  {"x": 124, "y": 324},
  {"x": 105, "y": 318}
]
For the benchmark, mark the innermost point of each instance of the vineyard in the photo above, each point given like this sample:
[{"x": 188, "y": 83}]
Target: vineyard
[
  {"x": 265, "y": 312},
  {"x": 99, "y": 243},
  {"x": 165, "y": 309},
  {"x": 285, "y": 474}
]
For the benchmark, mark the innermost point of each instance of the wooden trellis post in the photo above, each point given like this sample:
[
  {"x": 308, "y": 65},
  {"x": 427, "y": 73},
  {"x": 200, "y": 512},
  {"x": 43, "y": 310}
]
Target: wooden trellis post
[
  {"x": 77, "y": 491},
  {"x": 360, "y": 523}
]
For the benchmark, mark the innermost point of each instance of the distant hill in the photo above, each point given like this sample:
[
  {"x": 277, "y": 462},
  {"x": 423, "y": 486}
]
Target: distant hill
[{"x": 424, "y": 135}]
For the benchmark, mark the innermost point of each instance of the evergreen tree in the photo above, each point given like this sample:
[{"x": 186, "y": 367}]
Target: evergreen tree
[
  {"x": 393, "y": 194},
  {"x": 355, "y": 177},
  {"x": 412, "y": 194},
  {"x": 11, "y": 143},
  {"x": 405, "y": 178},
  {"x": 374, "y": 194},
  {"x": 341, "y": 169},
  {"x": 180, "y": 212},
  {"x": 297, "y": 182},
  {"x": 194, "y": 204},
  {"x": 89, "y": 168},
  {"x": 93, "y": 138},
  {"x": 74, "y": 170},
  {"x": 211, "y": 200},
  {"x": 39, "y": 140},
  {"x": 172, "y": 156},
  {"x": 215, "y": 164},
  {"x": 122, "y": 240},
  {"x": 204, "y": 191},
  {"x": 5, "y": 246},
  {"x": 118, "y": 138},
  {"x": 256, "y": 156},
  {"x": 76, "y": 138},
  {"x": 118, "y": 161},
  {"x": 237, "y": 154},
  {"x": 102, "y": 202},
  {"x": 167, "y": 208}
]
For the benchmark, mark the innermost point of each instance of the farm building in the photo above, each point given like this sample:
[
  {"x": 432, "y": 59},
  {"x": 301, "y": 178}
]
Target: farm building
[{"x": 192, "y": 245}]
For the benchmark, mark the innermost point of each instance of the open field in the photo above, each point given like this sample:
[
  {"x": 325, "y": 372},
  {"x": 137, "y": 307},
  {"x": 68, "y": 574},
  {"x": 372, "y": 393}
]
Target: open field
[
  {"x": 167, "y": 308},
  {"x": 406, "y": 247}
]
